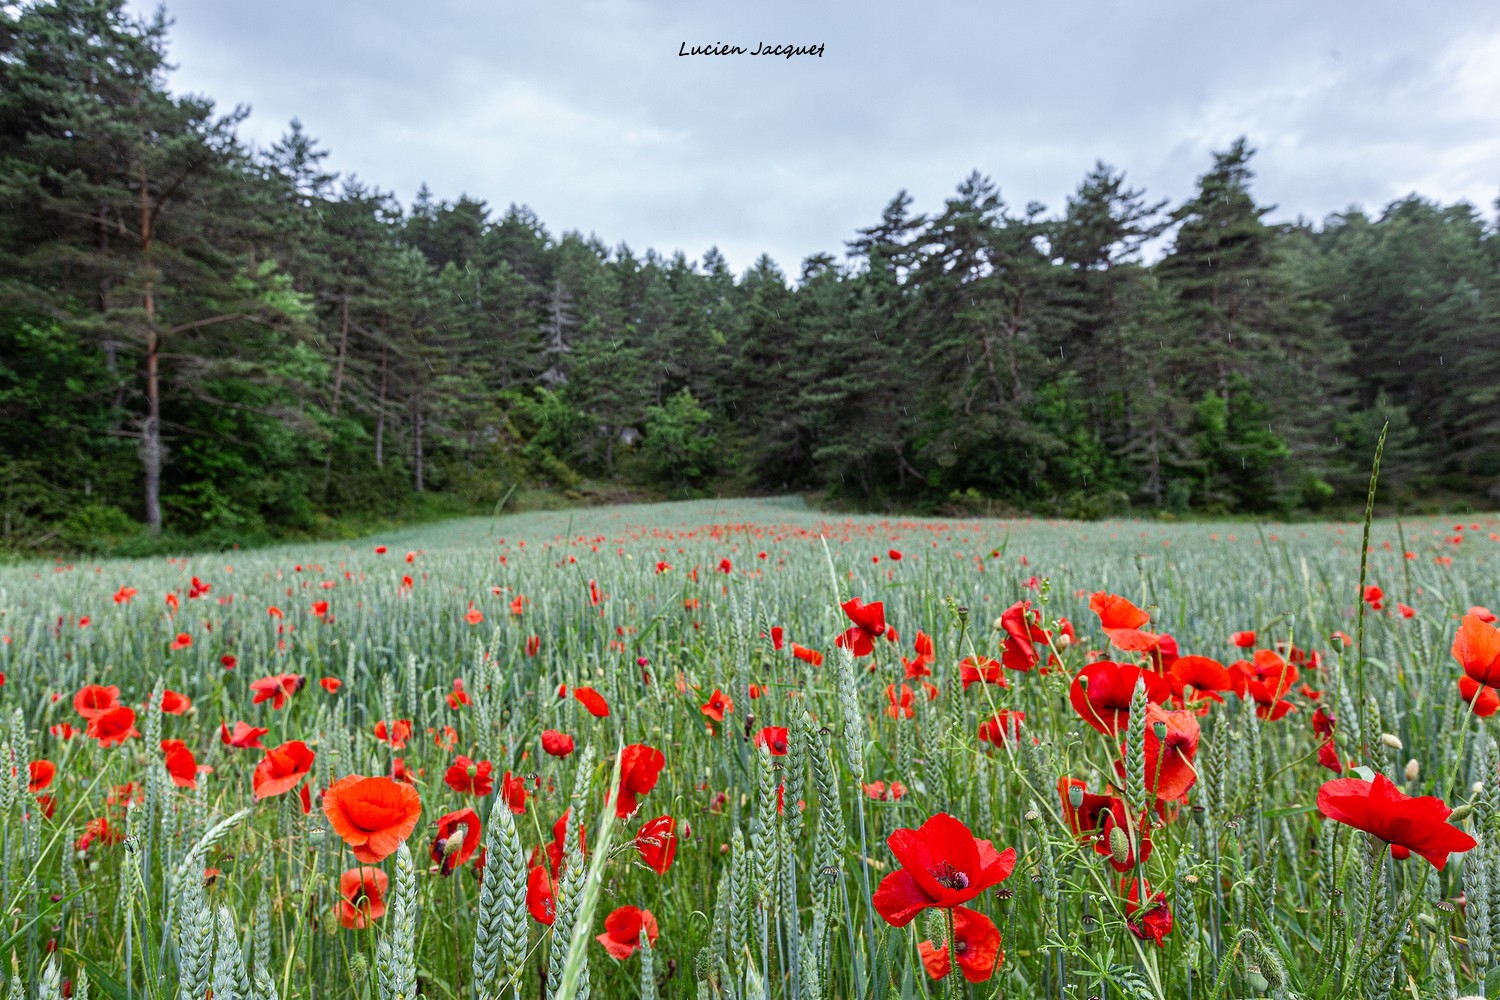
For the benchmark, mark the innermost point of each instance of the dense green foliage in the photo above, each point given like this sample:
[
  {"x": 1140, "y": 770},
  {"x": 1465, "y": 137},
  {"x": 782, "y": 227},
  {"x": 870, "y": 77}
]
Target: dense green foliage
[{"x": 201, "y": 336}]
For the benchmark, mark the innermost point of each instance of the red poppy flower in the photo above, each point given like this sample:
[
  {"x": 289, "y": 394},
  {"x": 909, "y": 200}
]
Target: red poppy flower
[
  {"x": 541, "y": 895},
  {"x": 1122, "y": 622},
  {"x": 173, "y": 703},
  {"x": 124, "y": 594},
  {"x": 380, "y": 550},
  {"x": 281, "y": 769},
  {"x": 394, "y": 733},
  {"x": 42, "y": 773},
  {"x": 622, "y": 931},
  {"x": 362, "y": 896},
  {"x": 981, "y": 670},
  {"x": 942, "y": 864},
  {"x": 62, "y": 730},
  {"x": 1095, "y": 817},
  {"x": 1102, "y": 691},
  {"x": 467, "y": 777},
  {"x": 807, "y": 655},
  {"x": 181, "y": 765},
  {"x": 640, "y": 767},
  {"x": 473, "y": 616},
  {"x": 593, "y": 701},
  {"x": 977, "y": 942},
  {"x": 1488, "y": 701},
  {"x": 183, "y": 641},
  {"x": 1243, "y": 640},
  {"x": 458, "y": 697},
  {"x": 244, "y": 736},
  {"x": 113, "y": 727},
  {"x": 1410, "y": 825},
  {"x": 1476, "y": 647},
  {"x": 594, "y": 595},
  {"x": 1155, "y": 922},
  {"x": 330, "y": 684},
  {"x": 773, "y": 738},
  {"x": 1323, "y": 722},
  {"x": 1205, "y": 676},
  {"x": 718, "y": 704},
  {"x": 373, "y": 815},
  {"x": 869, "y": 625},
  {"x": 276, "y": 689},
  {"x": 513, "y": 791},
  {"x": 1022, "y": 625},
  {"x": 1483, "y": 613},
  {"x": 1001, "y": 727},
  {"x": 450, "y": 852},
  {"x": 228, "y": 661},
  {"x": 95, "y": 699},
  {"x": 879, "y": 791},
  {"x": 900, "y": 705},
  {"x": 778, "y": 635},
  {"x": 656, "y": 842},
  {"x": 1169, "y": 758},
  {"x": 556, "y": 744},
  {"x": 533, "y": 645},
  {"x": 1374, "y": 597}
]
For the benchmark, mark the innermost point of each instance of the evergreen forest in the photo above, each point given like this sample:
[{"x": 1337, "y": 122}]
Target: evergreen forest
[{"x": 203, "y": 339}]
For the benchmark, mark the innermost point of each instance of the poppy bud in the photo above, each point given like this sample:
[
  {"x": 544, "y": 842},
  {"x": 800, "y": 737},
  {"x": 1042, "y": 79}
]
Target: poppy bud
[
  {"x": 1032, "y": 815},
  {"x": 1160, "y": 729},
  {"x": 1119, "y": 846},
  {"x": 1412, "y": 770},
  {"x": 1075, "y": 796},
  {"x": 1461, "y": 812},
  {"x": 1394, "y": 742}
]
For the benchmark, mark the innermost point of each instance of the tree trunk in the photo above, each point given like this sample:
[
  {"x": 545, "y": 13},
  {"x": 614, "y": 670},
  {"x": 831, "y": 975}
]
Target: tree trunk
[
  {"x": 380, "y": 415},
  {"x": 111, "y": 345},
  {"x": 417, "y": 446},
  {"x": 338, "y": 380},
  {"x": 151, "y": 450}
]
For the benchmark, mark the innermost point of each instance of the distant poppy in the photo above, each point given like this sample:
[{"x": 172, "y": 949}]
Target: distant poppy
[
  {"x": 1410, "y": 825},
  {"x": 541, "y": 895},
  {"x": 124, "y": 594},
  {"x": 593, "y": 701},
  {"x": 228, "y": 661},
  {"x": 183, "y": 641},
  {"x": 981, "y": 670},
  {"x": 113, "y": 727},
  {"x": 449, "y": 851},
  {"x": 640, "y": 767},
  {"x": 622, "y": 931},
  {"x": 182, "y": 767},
  {"x": 373, "y": 815},
  {"x": 773, "y": 738},
  {"x": 943, "y": 865},
  {"x": 880, "y": 792},
  {"x": 1023, "y": 633},
  {"x": 467, "y": 777},
  {"x": 718, "y": 704},
  {"x": 281, "y": 769},
  {"x": 330, "y": 684},
  {"x": 1002, "y": 727},
  {"x": 656, "y": 843},
  {"x": 513, "y": 791},
  {"x": 173, "y": 703},
  {"x": 362, "y": 896},
  {"x": 777, "y": 637},
  {"x": 556, "y": 744},
  {"x": 380, "y": 550},
  {"x": 276, "y": 689},
  {"x": 473, "y": 616},
  {"x": 95, "y": 699},
  {"x": 869, "y": 625},
  {"x": 1243, "y": 640},
  {"x": 1374, "y": 597},
  {"x": 1154, "y": 922},
  {"x": 900, "y": 704},
  {"x": 244, "y": 736},
  {"x": 42, "y": 773},
  {"x": 806, "y": 655},
  {"x": 977, "y": 942},
  {"x": 533, "y": 645},
  {"x": 395, "y": 733}
]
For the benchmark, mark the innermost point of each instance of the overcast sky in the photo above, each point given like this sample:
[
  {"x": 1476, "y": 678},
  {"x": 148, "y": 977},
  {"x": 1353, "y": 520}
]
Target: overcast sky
[{"x": 586, "y": 112}]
